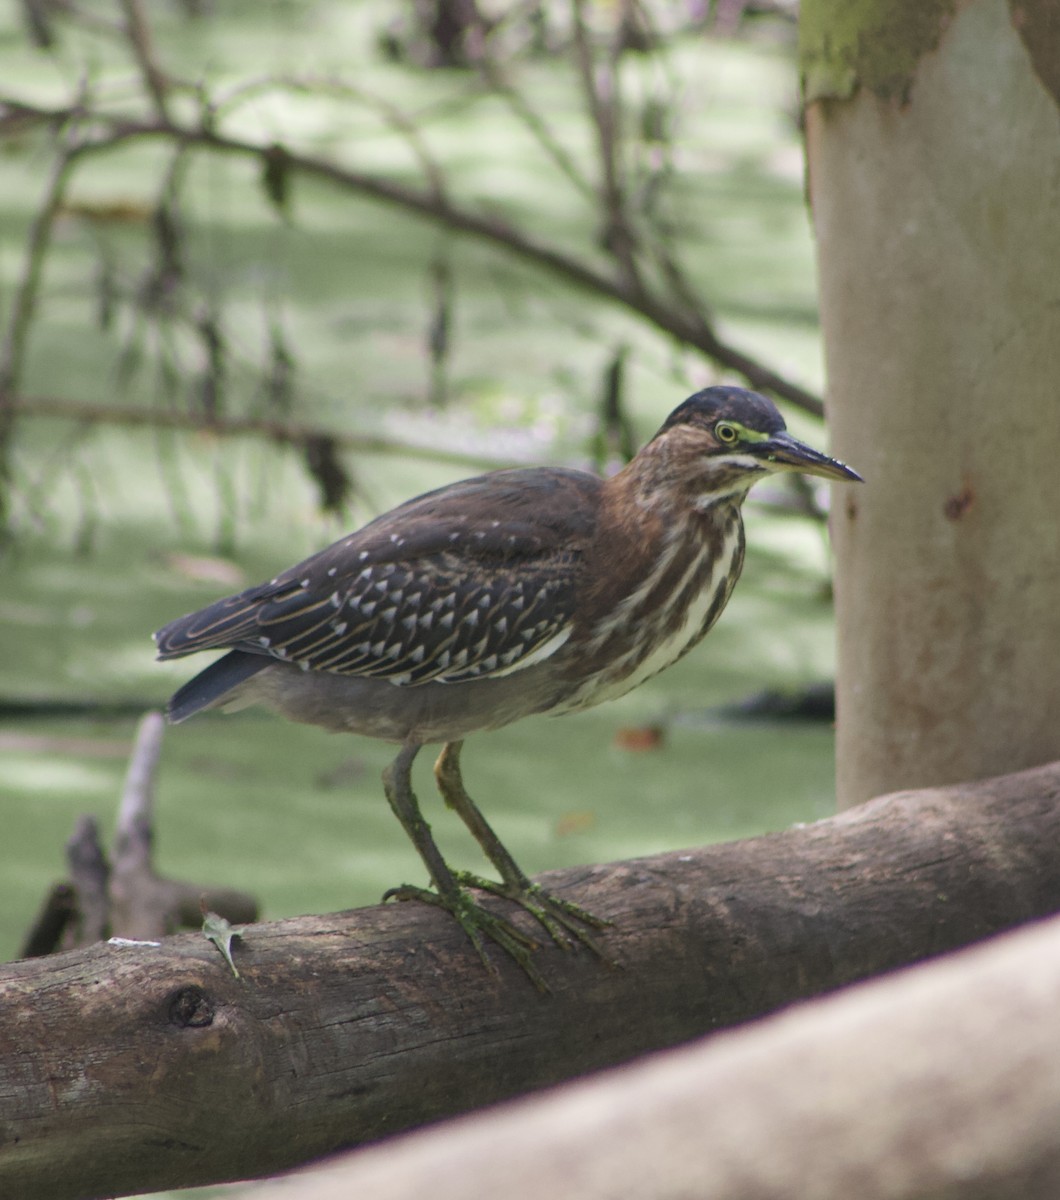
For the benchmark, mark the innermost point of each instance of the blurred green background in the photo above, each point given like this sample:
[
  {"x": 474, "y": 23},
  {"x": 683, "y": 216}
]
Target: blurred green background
[{"x": 325, "y": 305}]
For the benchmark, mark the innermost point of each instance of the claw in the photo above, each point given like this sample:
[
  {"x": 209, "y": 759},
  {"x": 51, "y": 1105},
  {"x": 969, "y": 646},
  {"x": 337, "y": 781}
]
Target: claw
[
  {"x": 562, "y": 920},
  {"x": 479, "y": 923}
]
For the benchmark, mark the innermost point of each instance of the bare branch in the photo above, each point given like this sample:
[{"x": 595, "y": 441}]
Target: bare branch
[
  {"x": 132, "y": 840},
  {"x": 693, "y": 329},
  {"x": 24, "y": 303},
  {"x": 393, "y": 116},
  {"x": 600, "y": 85},
  {"x": 57, "y": 913},
  {"x": 138, "y": 33},
  {"x": 13, "y": 343},
  {"x": 288, "y": 433},
  {"x": 493, "y": 73}
]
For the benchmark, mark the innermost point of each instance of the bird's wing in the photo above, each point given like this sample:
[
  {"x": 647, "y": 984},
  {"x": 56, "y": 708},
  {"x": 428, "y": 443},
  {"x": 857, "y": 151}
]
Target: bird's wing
[{"x": 475, "y": 580}]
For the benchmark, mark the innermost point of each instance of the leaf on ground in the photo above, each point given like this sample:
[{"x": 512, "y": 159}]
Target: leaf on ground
[
  {"x": 639, "y": 738},
  {"x": 575, "y": 822}
]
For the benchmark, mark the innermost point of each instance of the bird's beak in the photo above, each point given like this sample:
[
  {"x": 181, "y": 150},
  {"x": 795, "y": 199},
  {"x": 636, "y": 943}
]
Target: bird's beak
[{"x": 782, "y": 451}]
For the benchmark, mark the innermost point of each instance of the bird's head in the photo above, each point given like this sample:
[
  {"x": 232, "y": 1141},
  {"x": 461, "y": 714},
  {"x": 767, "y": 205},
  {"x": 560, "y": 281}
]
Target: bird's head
[{"x": 728, "y": 438}]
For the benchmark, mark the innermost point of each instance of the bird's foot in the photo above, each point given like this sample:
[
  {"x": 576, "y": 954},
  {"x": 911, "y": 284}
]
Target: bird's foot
[
  {"x": 564, "y": 921},
  {"x": 478, "y": 923}
]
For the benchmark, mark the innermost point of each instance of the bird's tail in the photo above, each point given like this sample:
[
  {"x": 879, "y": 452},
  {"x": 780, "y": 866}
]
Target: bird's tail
[
  {"x": 222, "y": 624},
  {"x": 211, "y": 686}
]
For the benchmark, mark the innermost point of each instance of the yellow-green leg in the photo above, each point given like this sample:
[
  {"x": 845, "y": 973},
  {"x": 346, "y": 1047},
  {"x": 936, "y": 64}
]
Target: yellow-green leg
[
  {"x": 564, "y": 921},
  {"x": 451, "y": 889}
]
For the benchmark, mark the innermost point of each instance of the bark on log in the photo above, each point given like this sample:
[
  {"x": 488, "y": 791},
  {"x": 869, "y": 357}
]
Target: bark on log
[
  {"x": 939, "y": 1083},
  {"x": 130, "y": 1068}
]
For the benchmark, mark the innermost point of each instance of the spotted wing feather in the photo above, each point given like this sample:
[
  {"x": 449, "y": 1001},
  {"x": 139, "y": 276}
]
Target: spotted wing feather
[{"x": 475, "y": 580}]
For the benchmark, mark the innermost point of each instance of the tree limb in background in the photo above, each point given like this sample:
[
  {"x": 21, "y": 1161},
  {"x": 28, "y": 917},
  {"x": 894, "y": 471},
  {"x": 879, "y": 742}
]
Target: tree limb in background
[
  {"x": 23, "y": 306},
  {"x": 600, "y": 85},
  {"x": 284, "y": 433},
  {"x": 669, "y": 316},
  {"x": 636, "y": 265},
  {"x": 138, "y": 33}
]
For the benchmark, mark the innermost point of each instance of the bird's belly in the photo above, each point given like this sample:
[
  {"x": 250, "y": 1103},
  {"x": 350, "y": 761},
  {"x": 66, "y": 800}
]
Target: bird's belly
[
  {"x": 649, "y": 638},
  {"x": 377, "y": 708}
]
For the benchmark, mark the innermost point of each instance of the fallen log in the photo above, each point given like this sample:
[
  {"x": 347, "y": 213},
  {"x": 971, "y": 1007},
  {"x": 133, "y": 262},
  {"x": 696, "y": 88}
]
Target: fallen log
[
  {"x": 136, "y": 1067},
  {"x": 937, "y": 1083}
]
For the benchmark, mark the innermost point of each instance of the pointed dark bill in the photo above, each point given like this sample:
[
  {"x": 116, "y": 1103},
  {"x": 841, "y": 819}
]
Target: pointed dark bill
[{"x": 783, "y": 450}]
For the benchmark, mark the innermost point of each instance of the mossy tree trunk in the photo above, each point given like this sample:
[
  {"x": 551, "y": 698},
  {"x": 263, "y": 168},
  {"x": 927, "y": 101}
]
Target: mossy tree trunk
[{"x": 933, "y": 134}]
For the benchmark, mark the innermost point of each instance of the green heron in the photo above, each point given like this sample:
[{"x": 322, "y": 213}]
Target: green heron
[{"x": 534, "y": 590}]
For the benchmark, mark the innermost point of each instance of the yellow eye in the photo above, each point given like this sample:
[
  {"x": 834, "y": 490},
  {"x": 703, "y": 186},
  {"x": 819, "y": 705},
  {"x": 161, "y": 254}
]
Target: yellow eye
[{"x": 727, "y": 434}]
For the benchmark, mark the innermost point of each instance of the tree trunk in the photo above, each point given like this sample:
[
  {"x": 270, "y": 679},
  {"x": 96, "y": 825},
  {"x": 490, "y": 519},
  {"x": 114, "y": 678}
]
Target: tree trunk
[
  {"x": 941, "y": 1083},
  {"x": 934, "y": 164},
  {"x": 142, "y": 1066}
]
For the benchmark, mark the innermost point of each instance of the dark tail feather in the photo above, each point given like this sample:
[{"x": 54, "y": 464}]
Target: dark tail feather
[{"x": 213, "y": 684}]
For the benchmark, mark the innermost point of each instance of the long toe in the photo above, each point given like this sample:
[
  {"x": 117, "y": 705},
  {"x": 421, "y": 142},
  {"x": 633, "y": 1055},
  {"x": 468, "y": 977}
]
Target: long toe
[
  {"x": 566, "y": 923},
  {"x": 480, "y": 926}
]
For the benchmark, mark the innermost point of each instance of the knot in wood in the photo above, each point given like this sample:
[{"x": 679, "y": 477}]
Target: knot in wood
[{"x": 190, "y": 1008}]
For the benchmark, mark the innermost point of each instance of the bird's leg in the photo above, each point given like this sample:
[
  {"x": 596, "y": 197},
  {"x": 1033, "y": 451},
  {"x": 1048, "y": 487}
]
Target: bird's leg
[
  {"x": 561, "y": 918},
  {"x": 451, "y": 893}
]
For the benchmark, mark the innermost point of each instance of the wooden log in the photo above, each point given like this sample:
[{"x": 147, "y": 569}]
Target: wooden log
[
  {"x": 937, "y": 1083},
  {"x": 90, "y": 880},
  {"x": 57, "y": 913},
  {"x": 130, "y": 1068}
]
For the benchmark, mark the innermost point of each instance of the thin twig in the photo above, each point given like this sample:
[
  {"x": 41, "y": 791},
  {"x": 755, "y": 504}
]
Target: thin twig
[
  {"x": 27, "y": 290},
  {"x": 90, "y": 876},
  {"x": 537, "y": 126},
  {"x": 287, "y": 433},
  {"x": 394, "y": 117},
  {"x": 23, "y": 306},
  {"x": 600, "y": 85},
  {"x": 138, "y": 33}
]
